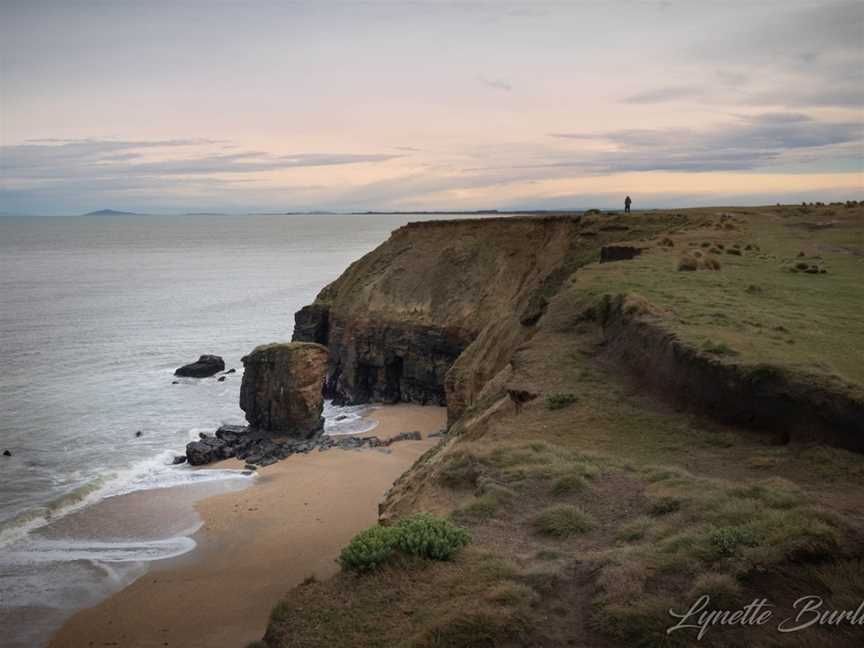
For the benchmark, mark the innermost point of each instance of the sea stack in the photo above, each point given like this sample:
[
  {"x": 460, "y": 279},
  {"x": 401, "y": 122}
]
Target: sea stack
[{"x": 282, "y": 388}]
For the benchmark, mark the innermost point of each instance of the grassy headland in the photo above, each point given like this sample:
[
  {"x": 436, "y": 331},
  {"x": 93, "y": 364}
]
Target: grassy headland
[{"x": 667, "y": 426}]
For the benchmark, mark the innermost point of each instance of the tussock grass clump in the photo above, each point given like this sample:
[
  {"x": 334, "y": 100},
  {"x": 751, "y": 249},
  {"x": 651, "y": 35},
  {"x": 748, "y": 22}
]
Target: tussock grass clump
[
  {"x": 422, "y": 535},
  {"x": 665, "y": 506},
  {"x": 460, "y": 469},
  {"x": 635, "y": 530},
  {"x": 480, "y": 508},
  {"x": 688, "y": 263},
  {"x": 695, "y": 260},
  {"x": 569, "y": 484},
  {"x": 563, "y": 520},
  {"x": 710, "y": 263},
  {"x": 559, "y": 401}
]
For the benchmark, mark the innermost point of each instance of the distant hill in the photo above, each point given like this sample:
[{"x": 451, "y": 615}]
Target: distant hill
[{"x": 109, "y": 212}]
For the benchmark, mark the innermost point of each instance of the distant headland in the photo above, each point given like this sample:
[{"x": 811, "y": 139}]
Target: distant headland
[{"x": 110, "y": 212}]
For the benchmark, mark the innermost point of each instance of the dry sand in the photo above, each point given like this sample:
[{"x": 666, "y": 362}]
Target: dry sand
[{"x": 255, "y": 545}]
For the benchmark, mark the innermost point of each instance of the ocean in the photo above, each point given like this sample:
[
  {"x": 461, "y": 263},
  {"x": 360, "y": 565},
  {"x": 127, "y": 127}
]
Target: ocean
[{"x": 96, "y": 313}]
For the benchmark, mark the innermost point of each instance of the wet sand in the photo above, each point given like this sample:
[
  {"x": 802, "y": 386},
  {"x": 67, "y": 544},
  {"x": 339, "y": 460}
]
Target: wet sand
[{"x": 256, "y": 544}]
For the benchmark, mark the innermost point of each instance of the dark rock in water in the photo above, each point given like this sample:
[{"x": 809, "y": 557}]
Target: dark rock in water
[
  {"x": 139, "y": 433},
  {"x": 221, "y": 379},
  {"x": 175, "y": 382},
  {"x": 205, "y": 366},
  {"x": 282, "y": 388},
  {"x": 231, "y": 370},
  {"x": 7, "y": 453},
  {"x": 341, "y": 417},
  {"x": 180, "y": 459},
  {"x": 619, "y": 253},
  {"x": 257, "y": 447},
  {"x": 249, "y": 466},
  {"x": 231, "y": 433},
  {"x": 206, "y": 450}
]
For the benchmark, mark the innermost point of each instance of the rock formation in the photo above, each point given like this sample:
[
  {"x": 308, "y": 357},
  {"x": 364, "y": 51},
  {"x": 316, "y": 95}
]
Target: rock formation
[
  {"x": 259, "y": 448},
  {"x": 282, "y": 388},
  {"x": 204, "y": 367},
  {"x": 444, "y": 282},
  {"x": 397, "y": 319}
]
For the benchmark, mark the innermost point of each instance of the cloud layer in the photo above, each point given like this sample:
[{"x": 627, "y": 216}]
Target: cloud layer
[{"x": 328, "y": 105}]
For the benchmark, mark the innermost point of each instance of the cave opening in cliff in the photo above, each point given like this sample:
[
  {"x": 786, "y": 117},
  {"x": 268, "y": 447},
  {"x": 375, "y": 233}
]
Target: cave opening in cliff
[{"x": 393, "y": 378}]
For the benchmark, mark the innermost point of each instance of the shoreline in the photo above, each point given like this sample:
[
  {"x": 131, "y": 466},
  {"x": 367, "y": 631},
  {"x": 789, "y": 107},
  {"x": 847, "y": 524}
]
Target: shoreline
[{"x": 255, "y": 544}]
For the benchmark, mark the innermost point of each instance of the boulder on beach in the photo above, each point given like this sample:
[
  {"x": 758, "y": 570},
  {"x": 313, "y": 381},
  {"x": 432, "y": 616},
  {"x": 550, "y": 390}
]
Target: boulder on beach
[
  {"x": 282, "y": 388},
  {"x": 207, "y": 450},
  {"x": 204, "y": 367}
]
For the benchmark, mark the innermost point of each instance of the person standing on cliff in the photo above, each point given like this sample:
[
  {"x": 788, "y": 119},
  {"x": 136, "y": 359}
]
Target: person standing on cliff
[{"x": 627, "y": 202}]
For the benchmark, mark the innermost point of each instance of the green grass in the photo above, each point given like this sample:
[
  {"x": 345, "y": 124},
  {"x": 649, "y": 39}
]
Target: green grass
[
  {"x": 563, "y": 520},
  {"x": 817, "y": 319},
  {"x": 559, "y": 401}
]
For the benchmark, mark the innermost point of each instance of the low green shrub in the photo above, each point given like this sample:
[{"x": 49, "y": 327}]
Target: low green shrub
[
  {"x": 369, "y": 548},
  {"x": 422, "y": 535},
  {"x": 427, "y": 536},
  {"x": 559, "y": 401},
  {"x": 725, "y": 540}
]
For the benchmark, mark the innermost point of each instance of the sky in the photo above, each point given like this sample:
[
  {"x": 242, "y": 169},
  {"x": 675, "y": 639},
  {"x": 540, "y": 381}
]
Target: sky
[{"x": 187, "y": 106}]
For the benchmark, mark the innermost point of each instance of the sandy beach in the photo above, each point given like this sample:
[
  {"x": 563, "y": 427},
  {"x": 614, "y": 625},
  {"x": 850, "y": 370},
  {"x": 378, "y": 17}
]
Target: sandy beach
[{"x": 255, "y": 544}]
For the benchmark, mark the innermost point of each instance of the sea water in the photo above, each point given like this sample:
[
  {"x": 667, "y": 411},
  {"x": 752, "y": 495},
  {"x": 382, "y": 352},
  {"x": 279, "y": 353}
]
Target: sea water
[{"x": 96, "y": 313}]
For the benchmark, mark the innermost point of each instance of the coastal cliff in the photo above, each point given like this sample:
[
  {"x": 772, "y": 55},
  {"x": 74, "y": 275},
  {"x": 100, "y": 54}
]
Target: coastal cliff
[
  {"x": 398, "y": 319},
  {"x": 641, "y": 410}
]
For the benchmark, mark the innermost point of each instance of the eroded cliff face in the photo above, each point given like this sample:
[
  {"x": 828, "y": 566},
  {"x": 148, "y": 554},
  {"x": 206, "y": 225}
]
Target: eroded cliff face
[{"x": 398, "y": 319}]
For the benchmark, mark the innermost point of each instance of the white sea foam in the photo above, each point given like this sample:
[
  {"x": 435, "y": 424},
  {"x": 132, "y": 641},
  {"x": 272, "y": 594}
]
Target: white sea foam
[
  {"x": 45, "y": 550},
  {"x": 350, "y": 419},
  {"x": 149, "y": 474}
]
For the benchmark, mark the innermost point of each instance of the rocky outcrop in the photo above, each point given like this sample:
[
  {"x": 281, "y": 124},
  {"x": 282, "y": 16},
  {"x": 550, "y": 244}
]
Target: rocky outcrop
[
  {"x": 204, "y": 367},
  {"x": 260, "y": 448},
  {"x": 396, "y": 321},
  {"x": 282, "y": 388}
]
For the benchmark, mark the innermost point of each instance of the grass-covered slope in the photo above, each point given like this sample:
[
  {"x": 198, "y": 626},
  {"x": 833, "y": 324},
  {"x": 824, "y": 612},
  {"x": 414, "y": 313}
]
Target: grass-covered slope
[{"x": 599, "y": 496}]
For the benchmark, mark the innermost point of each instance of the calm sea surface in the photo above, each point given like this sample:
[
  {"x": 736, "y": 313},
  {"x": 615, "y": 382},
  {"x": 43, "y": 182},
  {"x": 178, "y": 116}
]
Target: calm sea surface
[{"x": 95, "y": 315}]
